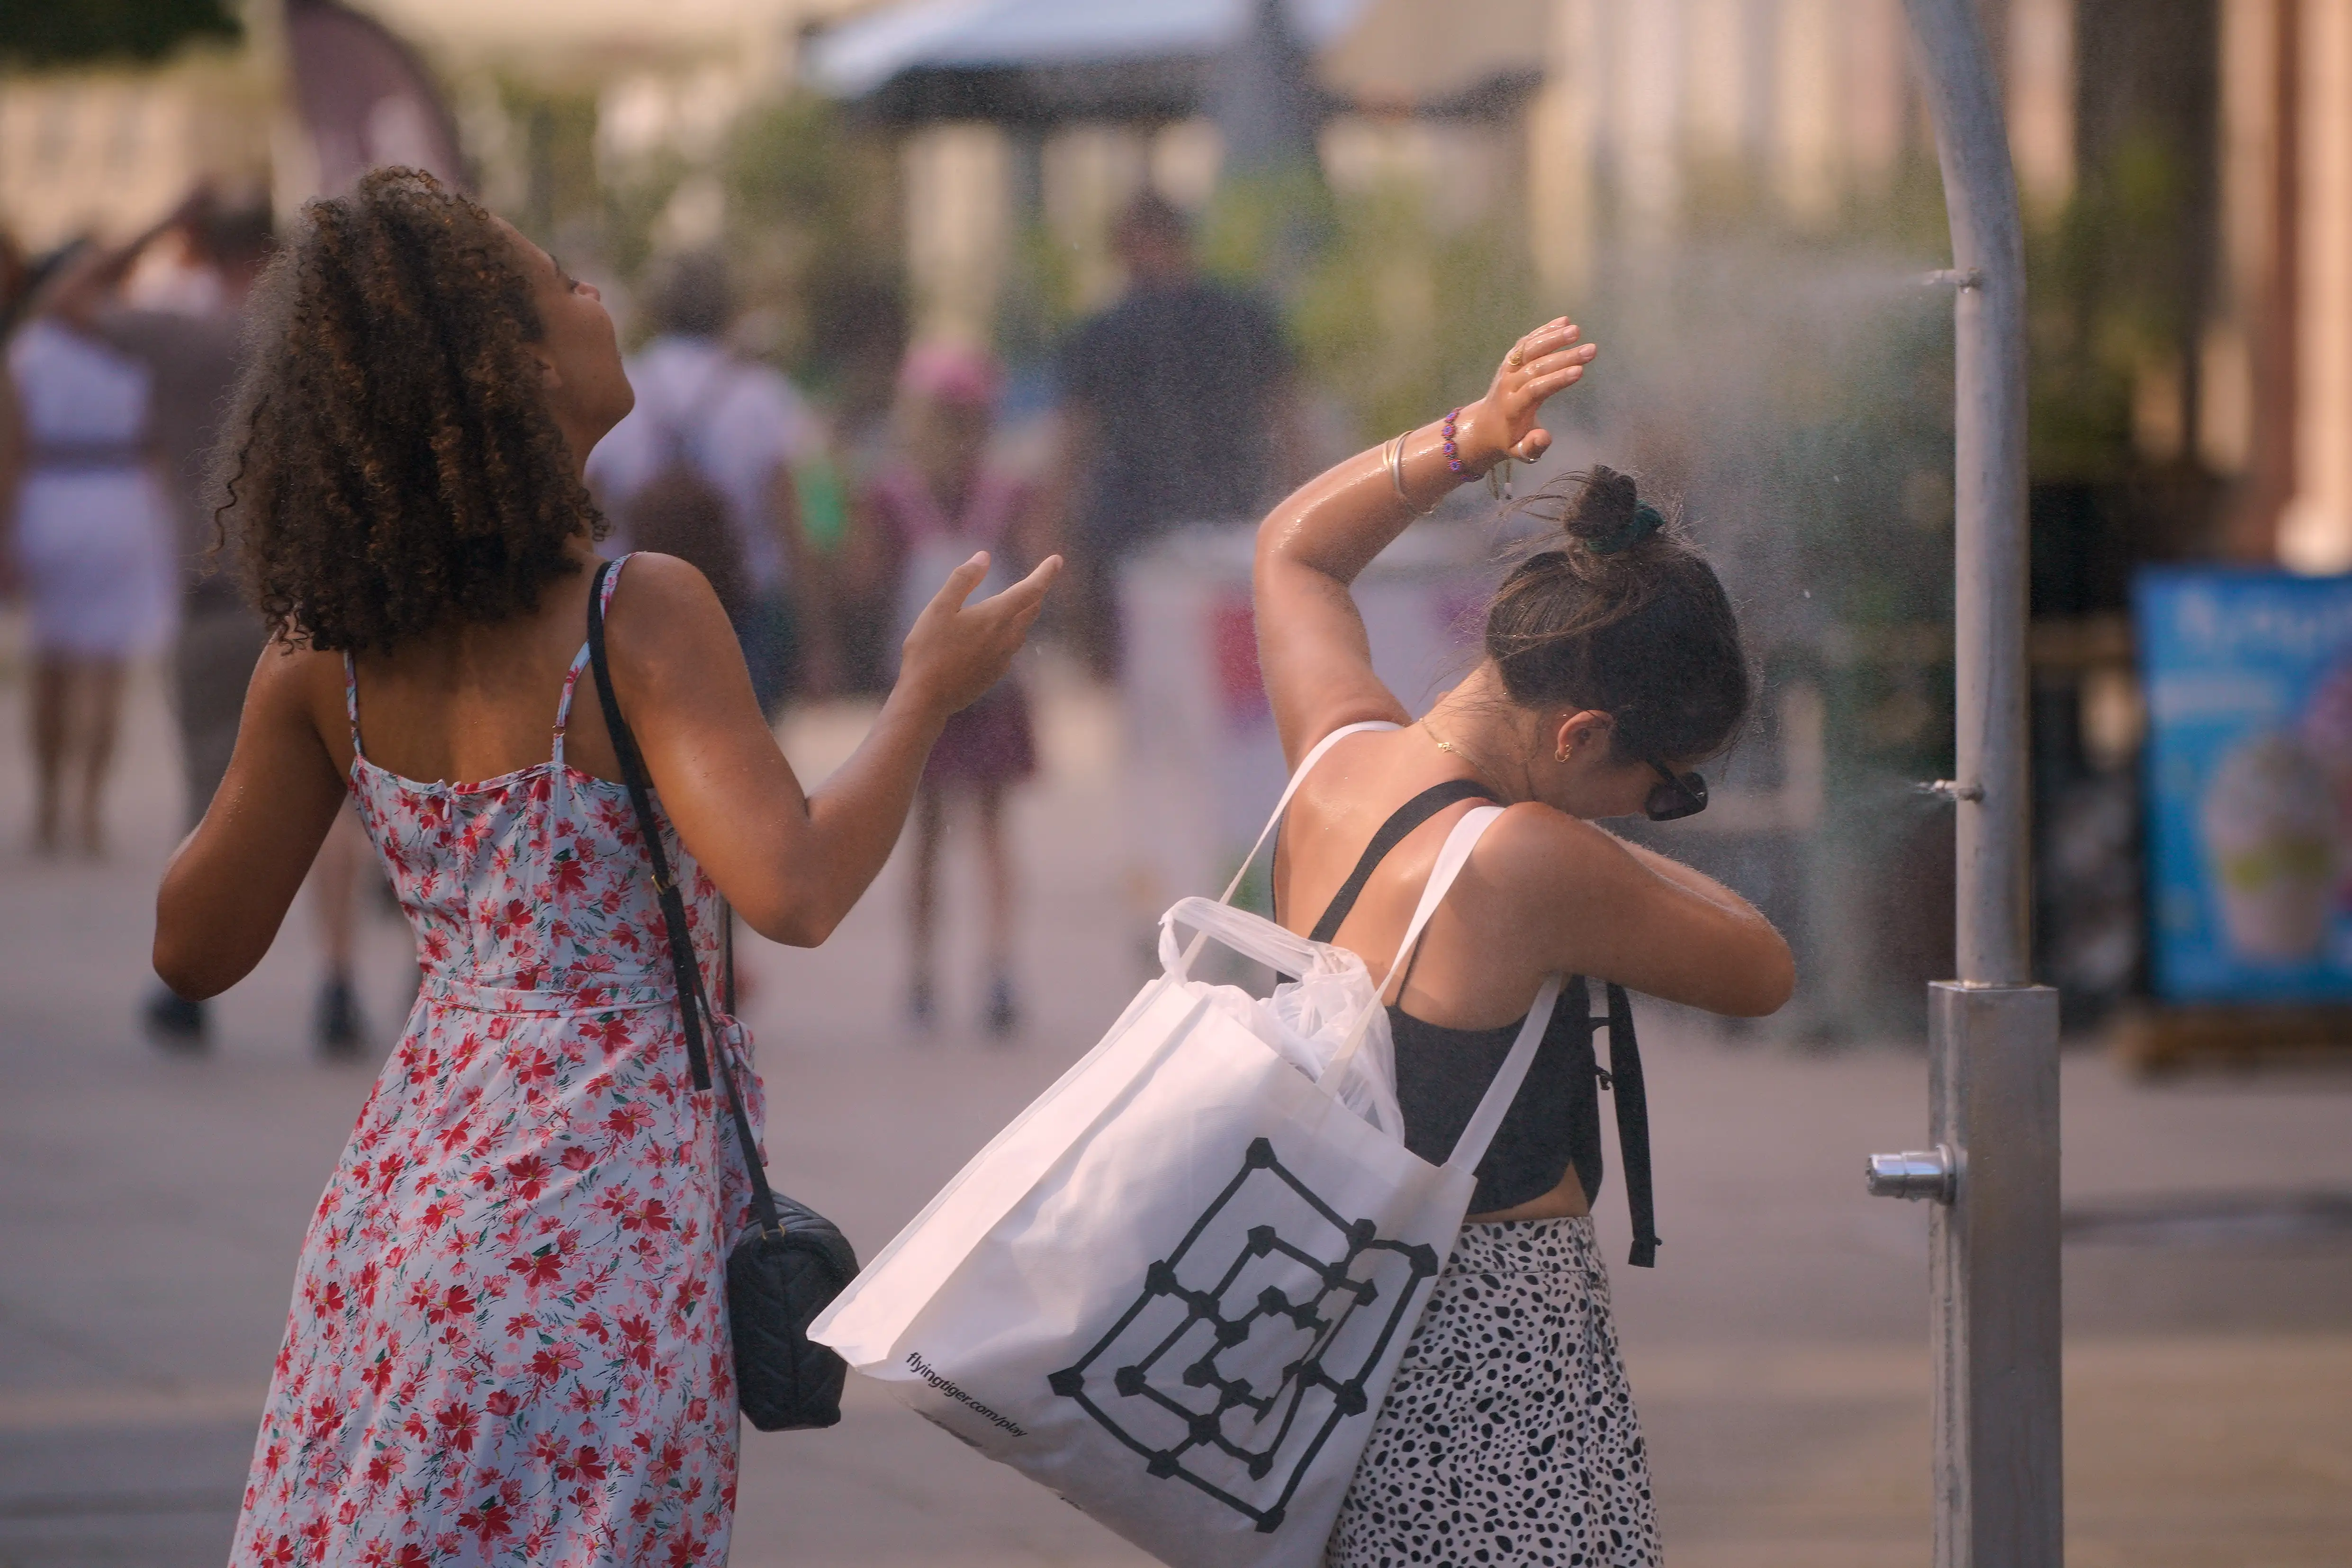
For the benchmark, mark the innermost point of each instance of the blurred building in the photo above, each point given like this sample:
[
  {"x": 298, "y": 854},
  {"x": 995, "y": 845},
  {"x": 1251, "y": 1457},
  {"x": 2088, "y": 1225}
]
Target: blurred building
[
  {"x": 108, "y": 151},
  {"x": 2276, "y": 364},
  {"x": 1580, "y": 116}
]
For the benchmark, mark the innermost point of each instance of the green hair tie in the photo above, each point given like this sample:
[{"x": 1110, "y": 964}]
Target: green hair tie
[{"x": 1646, "y": 521}]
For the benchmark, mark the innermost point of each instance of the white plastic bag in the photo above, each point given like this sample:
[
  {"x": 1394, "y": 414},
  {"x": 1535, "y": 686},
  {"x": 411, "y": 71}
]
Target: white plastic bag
[
  {"x": 1176, "y": 1287},
  {"x": 1307, "y": 1019}
]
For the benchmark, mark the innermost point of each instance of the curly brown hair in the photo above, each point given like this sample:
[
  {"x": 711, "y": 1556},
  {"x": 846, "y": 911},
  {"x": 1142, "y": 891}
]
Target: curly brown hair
[{"x": 389, "y": 465}]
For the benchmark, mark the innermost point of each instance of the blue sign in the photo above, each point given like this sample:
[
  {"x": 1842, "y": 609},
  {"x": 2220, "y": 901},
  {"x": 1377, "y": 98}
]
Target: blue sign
[{"x": 2248, "y": 682}]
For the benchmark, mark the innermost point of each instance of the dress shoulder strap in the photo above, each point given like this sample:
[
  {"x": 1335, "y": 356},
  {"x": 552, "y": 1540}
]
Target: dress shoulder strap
[
  {"x": 604, "y": 595},
  {"x": 1401, "y": 822},
  {"x": 352, "y": 700}
]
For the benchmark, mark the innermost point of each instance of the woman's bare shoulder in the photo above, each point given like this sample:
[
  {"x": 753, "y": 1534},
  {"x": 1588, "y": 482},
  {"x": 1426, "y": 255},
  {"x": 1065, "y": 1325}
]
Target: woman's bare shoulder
[
  {"x": 664, "y": 610},
  {"x": 1536, "y": 851},
  {"x": 294, "y": 676},
  {"x": 657, "y": 591},
  {"x": 672, "y": 649},
  {"x": 297, "y": 694}
]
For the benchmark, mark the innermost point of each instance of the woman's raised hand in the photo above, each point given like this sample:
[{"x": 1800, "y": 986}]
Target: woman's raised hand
[
  {"x": 957, "y": 651},
  {"x": 1503, "y": 425}
]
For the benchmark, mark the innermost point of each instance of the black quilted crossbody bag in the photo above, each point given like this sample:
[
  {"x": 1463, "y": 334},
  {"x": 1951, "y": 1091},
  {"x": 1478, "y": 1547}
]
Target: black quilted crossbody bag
[{"x": 796, "y": 1261}]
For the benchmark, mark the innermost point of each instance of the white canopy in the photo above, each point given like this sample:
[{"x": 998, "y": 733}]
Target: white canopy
[{"x": 863, "y": 54}]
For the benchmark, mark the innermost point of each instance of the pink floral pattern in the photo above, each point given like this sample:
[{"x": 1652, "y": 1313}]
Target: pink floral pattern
[{"x": 509, "y": 1341}]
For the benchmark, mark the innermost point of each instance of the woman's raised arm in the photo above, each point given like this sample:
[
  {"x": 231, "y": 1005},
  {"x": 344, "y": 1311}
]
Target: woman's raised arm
[
  {"x": 793, "y": 863},
  {"x": 1317, "y": 661}
]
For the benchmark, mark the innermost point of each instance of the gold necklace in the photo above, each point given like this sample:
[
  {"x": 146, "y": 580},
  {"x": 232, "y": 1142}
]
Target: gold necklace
[{"x": 1447, "y": 746}]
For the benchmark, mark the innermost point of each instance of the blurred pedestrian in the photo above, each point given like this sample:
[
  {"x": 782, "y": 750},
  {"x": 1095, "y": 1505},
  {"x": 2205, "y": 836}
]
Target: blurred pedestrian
[
  {"x": 16, "y": 279},
  {"x": 509, "y": 1339},
  {"x": 1613, "y": 666},
  {"x": 88, "y": 535},
  {"x": 935, "y": 501},
  {"x": 702, "y": 468},
  {"x": 1177, "y": 409},
  {"x": 16, "y": 284},
  {"x": 191, "y": 351}
]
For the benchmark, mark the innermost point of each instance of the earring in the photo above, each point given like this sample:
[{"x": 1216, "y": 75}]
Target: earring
[{"x": 1565, "y": 753}]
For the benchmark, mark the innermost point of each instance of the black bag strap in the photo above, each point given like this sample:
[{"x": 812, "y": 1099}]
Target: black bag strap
[
  {"x": 1401, "y": 822},
  {"x": 1624, "y": 1080},
  {"x": 693, "y": 1002}
]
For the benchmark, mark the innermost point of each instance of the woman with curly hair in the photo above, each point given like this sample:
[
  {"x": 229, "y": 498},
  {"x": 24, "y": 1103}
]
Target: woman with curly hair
[{"x": 508, "y": 1342}]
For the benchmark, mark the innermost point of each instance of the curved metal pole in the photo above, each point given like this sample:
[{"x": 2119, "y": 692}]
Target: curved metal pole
[
  {"x": 1993, "y": 1249},
  {"x": 1989, "y": 493}
]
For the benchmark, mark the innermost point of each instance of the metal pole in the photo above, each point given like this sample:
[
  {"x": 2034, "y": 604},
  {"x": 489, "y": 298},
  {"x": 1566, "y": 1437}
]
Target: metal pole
[
  {"x": 1989, "y": 490},
  {"x": 1993, "y": 1272}
]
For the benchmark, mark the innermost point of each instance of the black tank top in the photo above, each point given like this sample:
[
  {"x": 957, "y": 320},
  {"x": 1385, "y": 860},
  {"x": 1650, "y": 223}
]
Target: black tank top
[{"x": 1554, "y": 1121}]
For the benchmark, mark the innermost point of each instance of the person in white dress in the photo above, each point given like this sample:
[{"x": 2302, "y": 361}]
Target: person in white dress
[{"x": 88, "y": 539}]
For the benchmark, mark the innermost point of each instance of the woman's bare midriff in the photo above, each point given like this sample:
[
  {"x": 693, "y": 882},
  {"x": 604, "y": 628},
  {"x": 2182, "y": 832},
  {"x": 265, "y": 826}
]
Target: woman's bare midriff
[{"x": 1565, "y": 1201}]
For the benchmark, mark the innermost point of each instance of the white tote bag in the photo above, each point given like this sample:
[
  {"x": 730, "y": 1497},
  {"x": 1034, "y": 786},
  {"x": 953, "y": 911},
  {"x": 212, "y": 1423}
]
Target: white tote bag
[{"x": 1176, "y": 1287}]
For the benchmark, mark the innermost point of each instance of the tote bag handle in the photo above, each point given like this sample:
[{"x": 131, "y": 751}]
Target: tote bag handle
[
  {"x": 1471, "y": 1147},
  {"x": 1306, "y": 765}
]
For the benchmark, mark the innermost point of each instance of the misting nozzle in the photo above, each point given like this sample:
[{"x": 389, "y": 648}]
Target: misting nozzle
[{"x": 1930, "y": 1173}]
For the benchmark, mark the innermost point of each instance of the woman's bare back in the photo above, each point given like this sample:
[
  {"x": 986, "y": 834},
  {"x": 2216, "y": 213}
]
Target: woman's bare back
[{"x": 477, "y": 703}]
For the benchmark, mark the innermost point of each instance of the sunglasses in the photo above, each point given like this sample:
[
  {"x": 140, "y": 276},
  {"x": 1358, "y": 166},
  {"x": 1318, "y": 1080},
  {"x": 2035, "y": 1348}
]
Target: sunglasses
[{"x": 1676, "y": 795}]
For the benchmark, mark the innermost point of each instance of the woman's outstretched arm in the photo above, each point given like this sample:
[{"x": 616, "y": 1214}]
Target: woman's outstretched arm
[
  {"x": 793, "y": 863},
  {"x": 1317, "y": 661}
]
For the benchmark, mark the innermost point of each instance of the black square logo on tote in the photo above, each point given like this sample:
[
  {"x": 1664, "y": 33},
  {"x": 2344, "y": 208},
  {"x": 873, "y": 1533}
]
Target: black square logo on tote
[{"x": 1251, "y": 1342}]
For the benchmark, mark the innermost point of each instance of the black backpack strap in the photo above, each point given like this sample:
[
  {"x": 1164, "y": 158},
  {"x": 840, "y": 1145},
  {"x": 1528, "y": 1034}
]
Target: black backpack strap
[
  {"x": 693, "y": 1002},
  {"x": 1624, "y": 1080},
  {"x": 1401, "y": 822}
]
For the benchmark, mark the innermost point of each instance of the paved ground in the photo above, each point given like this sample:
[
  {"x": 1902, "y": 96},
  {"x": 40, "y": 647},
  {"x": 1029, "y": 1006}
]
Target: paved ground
[{"x": 151, "y": 1211}]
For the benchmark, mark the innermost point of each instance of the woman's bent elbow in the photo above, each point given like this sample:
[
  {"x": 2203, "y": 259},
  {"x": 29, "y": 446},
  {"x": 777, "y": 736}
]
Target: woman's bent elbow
[
  {"x": 1768, "y": 986},
  {"x": 190, "y": 974},
  {"x": 793, "y": 925}
]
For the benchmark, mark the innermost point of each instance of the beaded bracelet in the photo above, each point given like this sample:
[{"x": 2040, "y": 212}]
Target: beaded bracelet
[{"x": 1453, "y": 454}]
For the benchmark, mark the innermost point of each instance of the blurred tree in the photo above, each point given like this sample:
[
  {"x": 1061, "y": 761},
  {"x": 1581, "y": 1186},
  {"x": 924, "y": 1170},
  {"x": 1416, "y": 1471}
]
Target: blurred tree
[
  {"x": 1394, "y": 316},
  {"x": 81, "y": 32},
  {"x": 554, "y": 132},
  {"x": 813, "y": 220},
  {"x": 2119, "y": 281}
]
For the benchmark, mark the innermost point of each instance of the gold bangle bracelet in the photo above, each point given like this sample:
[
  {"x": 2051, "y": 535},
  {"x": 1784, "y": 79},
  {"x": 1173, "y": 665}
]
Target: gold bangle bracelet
[{"x": 1396, "y": 475}]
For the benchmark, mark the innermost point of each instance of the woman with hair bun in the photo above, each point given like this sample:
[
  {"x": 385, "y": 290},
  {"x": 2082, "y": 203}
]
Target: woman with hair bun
[
  {"x": 509, "y": 1341},
  {"x": 1612, "y": 667}
]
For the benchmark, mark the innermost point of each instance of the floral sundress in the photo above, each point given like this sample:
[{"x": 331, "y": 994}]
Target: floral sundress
[{"x": 509, "y": 1341}]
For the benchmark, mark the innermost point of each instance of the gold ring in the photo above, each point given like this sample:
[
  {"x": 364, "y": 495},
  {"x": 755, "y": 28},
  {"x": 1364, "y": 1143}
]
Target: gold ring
[{"x": 1516, "y": 358}]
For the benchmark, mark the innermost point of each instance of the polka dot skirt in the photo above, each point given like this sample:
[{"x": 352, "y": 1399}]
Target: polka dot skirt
[{"x": 1509, "y": 1436}]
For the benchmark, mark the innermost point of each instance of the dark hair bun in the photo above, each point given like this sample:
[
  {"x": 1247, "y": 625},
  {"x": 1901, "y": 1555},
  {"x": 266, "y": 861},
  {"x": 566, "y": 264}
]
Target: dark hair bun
[
  {"x": 1643, "y": 634},
  {"x": 1606, "y": 507},
  {"x": 1609, "y": 516}
]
